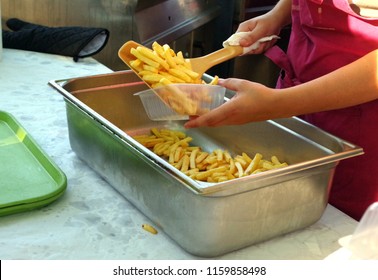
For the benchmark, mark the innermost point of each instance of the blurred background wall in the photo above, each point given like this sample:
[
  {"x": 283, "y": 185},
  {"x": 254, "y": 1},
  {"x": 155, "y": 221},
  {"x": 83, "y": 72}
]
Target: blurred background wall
[{"x": 196, "y": 27}]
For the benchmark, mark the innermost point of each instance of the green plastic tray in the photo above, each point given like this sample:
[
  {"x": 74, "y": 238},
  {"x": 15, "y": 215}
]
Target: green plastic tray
[{"x": 28, "y": 177}]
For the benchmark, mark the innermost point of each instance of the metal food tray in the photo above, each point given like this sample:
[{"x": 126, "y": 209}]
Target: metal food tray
[{"x": 205, "y": 219}]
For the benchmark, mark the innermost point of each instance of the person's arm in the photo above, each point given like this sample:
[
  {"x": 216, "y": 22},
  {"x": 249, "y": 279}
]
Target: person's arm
[
  {"x": 267, "y": 24},
  {"x": 353, "y": 84},
  {"x": 350, "y": 85}
]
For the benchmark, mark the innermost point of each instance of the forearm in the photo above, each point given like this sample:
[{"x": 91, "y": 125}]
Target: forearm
[
  {"x": 281, "y": 13},
  {"x": 350, "y": 85}
]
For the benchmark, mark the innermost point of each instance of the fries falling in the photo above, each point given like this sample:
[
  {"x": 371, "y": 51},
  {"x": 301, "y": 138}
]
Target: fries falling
[
  {"x": 216, "y": 166},
  {"x": 161, "y": 66}
]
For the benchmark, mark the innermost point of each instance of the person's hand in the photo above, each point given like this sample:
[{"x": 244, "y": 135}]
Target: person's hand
[
  {"x": 252, "y": 102},
  {"x": 258, "y": 28}
]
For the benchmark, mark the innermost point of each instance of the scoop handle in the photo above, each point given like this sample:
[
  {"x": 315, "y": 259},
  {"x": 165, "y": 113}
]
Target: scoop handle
[{"x": 203, "y": 63}]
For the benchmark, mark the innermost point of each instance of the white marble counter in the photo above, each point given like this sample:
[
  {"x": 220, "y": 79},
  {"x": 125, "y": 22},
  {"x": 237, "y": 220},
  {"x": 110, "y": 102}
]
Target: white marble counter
[{"x": 91, "y": 220}]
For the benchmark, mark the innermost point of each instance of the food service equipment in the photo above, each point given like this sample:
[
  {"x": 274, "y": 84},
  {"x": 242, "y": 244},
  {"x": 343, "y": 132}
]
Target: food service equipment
[{"x": 205, "y": 219}]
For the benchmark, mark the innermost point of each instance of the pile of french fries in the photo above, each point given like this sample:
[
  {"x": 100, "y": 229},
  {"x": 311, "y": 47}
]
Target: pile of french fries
[
  {"x": 212, "y": 167},
  {"x": 161, "y": 66}
]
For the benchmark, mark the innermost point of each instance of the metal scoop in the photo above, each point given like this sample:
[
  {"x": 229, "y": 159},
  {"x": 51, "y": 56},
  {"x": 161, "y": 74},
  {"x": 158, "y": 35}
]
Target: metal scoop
[{"x": 199, "y": 64}]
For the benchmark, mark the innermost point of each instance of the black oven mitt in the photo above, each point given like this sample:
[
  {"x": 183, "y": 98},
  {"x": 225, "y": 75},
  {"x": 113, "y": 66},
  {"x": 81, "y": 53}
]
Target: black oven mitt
[{"x": 74, "y": 41}]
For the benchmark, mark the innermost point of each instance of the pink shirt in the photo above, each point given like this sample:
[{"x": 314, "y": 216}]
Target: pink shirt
[{"x": 328, "y": 34}]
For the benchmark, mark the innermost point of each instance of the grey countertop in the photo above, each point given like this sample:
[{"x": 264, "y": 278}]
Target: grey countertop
[{"x": 91, "y": 220}]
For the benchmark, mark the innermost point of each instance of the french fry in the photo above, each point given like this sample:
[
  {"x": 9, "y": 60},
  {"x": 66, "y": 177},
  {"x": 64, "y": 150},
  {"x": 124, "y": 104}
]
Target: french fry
[
  {"x": 211, "y": 159},
  {"x": 193, "y": 156},
  {"x": 158, "y": 49},
  {"x": 280, "y": 165},
  {"x": 212, "y": 166},
  {"x": 204, "y": 174},
  {"x": 214, "y": 81},
  {"x": 149, "y": 228},
  {"x": 232, "y": 168},
  {"x": 171, "y": 158},
  {"x": 150, "y": 69},
  {"x": 193, "y": 75},
  {"x": 152, "y": 77},
  {"x": 169, "y": 57},
  {"x": 268, "y": 165},
  {"x": 275, "y": 160},
  {"x": 190, "y": 172},
  {"x": 150, "y": 54},
  {"x": 201, "y": 157},
  {"x": 239, "y": 159},
  {"x": 144, "y": 59},
  {"x": 156, "y": 132},
  {"x": 163, "y": 148},
  {"x": 222, "y": 179},
  {"x": 180, "y": 59},
  {"x": 219, "y": 154},
  {"x": 259, "y": 170},
  {"x": 240, "y": 171},
  {"x": 229, "y": 175},
  {"x": 254, "y": 163},
  {"x": 178, "y": 165},
  {"x": 227, "y": 156},
  {"x": 137, "y": 64},
  {"x": 180, "y": 74},
  {"x": 171, "y": 78},
  {"x": 177, "y": 156},
  {"x": 185, "y": 163},
  {"x": 246, "y": 158}
]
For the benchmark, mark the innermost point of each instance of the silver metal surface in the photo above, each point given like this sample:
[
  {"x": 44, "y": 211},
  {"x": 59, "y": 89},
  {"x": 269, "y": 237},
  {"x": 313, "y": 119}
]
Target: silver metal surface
[
  {"x": 165, "y": 21},
  {"x": 205, "y": 219}
]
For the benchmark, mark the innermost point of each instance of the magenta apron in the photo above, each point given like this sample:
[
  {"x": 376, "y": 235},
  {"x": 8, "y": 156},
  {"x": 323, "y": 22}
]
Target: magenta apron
[{"x": 327, "y": 34}]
